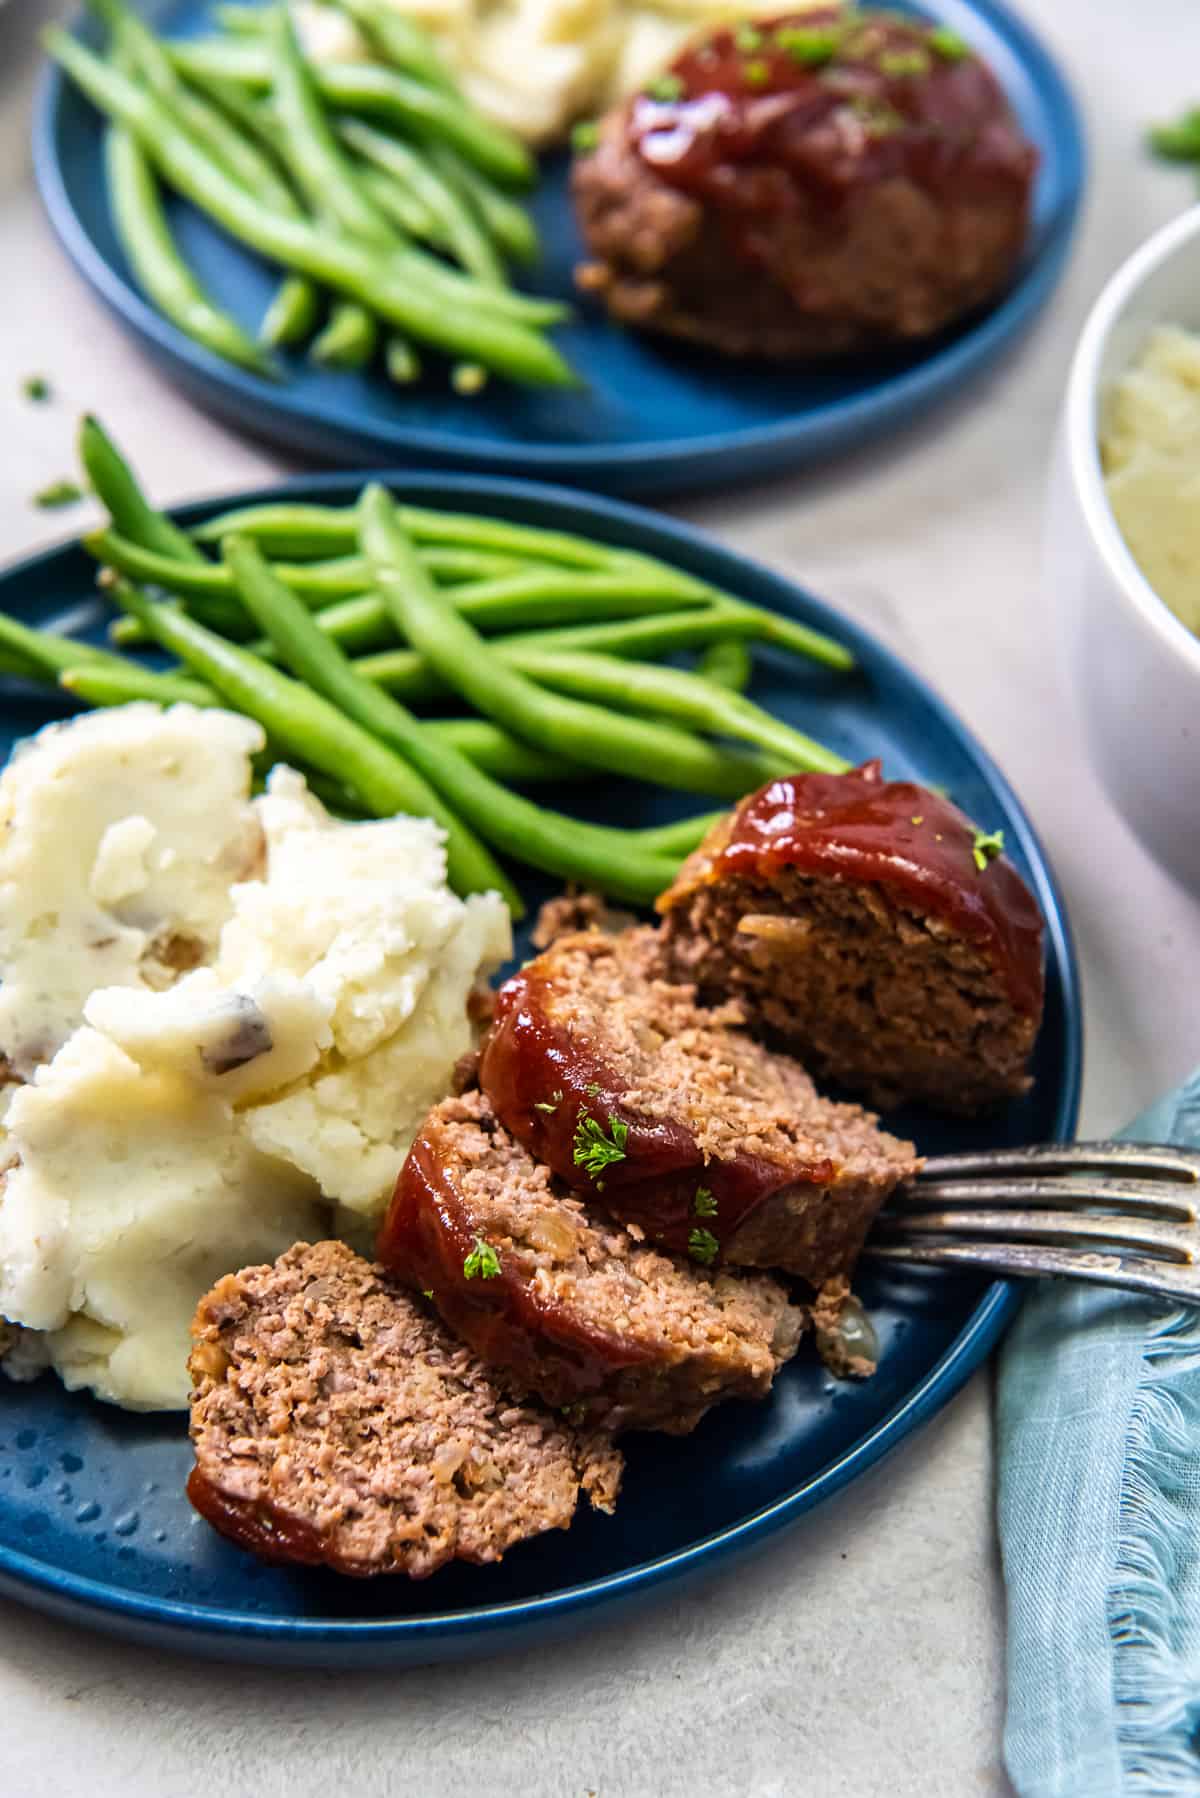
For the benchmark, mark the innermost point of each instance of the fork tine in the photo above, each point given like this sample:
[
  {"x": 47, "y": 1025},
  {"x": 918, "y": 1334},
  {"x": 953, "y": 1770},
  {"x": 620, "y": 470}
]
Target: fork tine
[
  {"x": 1123, "y": 1158},
  {"x": 1028, "y": 1260},
  {"x": 1149, "y": 1198},
  {"x": 1175, "y": 1242}
]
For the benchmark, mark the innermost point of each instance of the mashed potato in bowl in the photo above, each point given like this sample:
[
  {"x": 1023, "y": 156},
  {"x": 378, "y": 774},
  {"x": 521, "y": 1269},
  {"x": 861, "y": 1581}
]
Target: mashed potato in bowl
[
  {"x": 224, "y": 1017},
  {"x": 1150, "y": 449}
]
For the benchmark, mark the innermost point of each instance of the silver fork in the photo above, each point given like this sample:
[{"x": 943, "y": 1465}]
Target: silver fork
[{"x": 1113, "y": 1213}]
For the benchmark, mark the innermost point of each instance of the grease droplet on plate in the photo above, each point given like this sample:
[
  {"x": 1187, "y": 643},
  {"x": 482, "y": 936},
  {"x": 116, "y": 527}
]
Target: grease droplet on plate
[
  {"x": 127, "y": 1525},
  {"x": 88, "y": 1513},
  {"x": 70, "y": 1463}
]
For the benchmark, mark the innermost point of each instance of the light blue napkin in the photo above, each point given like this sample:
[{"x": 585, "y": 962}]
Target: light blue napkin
[{"x": 1099, "y": 1510}]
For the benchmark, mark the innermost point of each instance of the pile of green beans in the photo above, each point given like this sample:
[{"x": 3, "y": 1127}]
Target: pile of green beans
[
  {"x": 534, "y": 650},
  {"x": 384, "y": 197}
]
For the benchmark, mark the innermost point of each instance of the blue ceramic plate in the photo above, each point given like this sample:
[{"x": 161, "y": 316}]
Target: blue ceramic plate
[
  {"x": 93, "y": 1521},
  {"x": 653, "y": 418}
]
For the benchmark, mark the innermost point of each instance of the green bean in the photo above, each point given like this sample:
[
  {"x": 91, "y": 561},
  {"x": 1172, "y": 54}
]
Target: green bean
[
  {"x": 115, "y": 486},
  {"x": 457, "y": 228},
  {"x": 400, "y": 41},
  {"x": 210, "y": 125},
  {"x": 396, "y": 203},
  {"x": 502, "y": 755},
  {"x": 239, "y": 19},
  {"x": 507, "y": 222},
  {"x": 317, "y": 161},
  {"x": 314, "y": 731},
  {"x": 390, "y": 286},
  {"x": 681, "y": 837},
  {"x": 558, "y": 845},
  {"x": 104, "y": 686},
  {"x": 349, "y": 339},
  {"x": 318, "y": 581},
  {"x": 423, "y": 111},
  {"x": 293, "y": 314},
  {"x": 157, "y": 265},
  {"x": 207, "y": 124},
  {"x": 460, "y": 655},
  {"x": 290, "y": 527},
  {"x": 46, "y": 654},
  {"x": 728, "y": 663},
  {"x": 401, "y": 361},
  {"x": 643, "y": 639},
  {"x": 672, "y": 693}
]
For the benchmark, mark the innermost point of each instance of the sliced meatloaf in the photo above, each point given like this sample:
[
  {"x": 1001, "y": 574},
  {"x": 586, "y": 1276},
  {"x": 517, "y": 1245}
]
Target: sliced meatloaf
[
  {"x": 336, "y": 1422},
  {"x": 569, "y": 1305},
  {"x": 871, "y": 929},
  {"x": 678, "y": 1121}
]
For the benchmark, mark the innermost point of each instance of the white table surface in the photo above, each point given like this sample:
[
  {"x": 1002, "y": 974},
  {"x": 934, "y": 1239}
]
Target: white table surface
[{"x": 863, "y": 1655}]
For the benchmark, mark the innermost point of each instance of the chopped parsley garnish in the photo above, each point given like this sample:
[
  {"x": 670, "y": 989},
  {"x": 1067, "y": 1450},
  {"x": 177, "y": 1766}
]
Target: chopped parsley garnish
[
  {"x": 665, "y": 88},
  {"x": 594, "y": 1150},
  {"x": 552, "y": 1104},
  {"x": 905, "y": 62},
  {"x": 592, "y": 1089},
  {"x": 808, "y": 45},
  {"x": 58, "y": 493},
  {"x": 427, "y": 1292},
  {"x": 986, "y": 847},
  {"x": 482, "y": 1263},
  {"x": 585, "y": 135},
  {"x": 748, "y": 38},
  {"x": 576, "y": 1412},
  {"x": 948, "y": 45},
  {"x": 703, "y": 1247},
  {"x": 704, "y": 1204},
  {"x": 878, "y": 118},
  {"x": 1180, "y": 140},
  {"x": 756, "y": 73},
  {"x": 35, "y": 388}
]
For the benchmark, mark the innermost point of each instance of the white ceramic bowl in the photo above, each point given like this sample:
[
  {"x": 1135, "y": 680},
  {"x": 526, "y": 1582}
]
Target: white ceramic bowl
[{"x": 1135, "y": 667}]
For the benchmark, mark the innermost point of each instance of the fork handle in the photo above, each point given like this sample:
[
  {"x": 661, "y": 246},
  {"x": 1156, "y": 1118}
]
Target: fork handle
[{"x": 1037, "y": 1261}]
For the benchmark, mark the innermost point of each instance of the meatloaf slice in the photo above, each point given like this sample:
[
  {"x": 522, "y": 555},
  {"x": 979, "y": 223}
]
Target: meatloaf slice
[
  {"x": 336, "y": 1422},
  {"x": 570, "y": 1306},
  {"x": 676, "y": 1120},
  {"x": 869, "y": 927}
]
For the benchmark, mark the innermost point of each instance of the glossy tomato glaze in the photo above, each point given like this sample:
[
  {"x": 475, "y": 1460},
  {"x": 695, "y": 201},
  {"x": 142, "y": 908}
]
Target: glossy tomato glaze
[
  {"x": 859, "y": 827},
  {"x": 796, "y": 116},
  {"x": 543, "y": 1079},
  {"x": 426, "y": 1238},
  {"x": 271, "y": 1538}
]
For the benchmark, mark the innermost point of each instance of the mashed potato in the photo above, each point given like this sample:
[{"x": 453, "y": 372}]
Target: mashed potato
[
  {"x": 1150, "y": 446},
  {"x": 180, "y": 1121}
]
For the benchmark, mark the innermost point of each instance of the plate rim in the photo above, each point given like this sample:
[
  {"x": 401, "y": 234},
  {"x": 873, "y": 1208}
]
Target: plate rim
[
  {"x": 191, "y": 1625},
  {"x": 331, "y": 428}
]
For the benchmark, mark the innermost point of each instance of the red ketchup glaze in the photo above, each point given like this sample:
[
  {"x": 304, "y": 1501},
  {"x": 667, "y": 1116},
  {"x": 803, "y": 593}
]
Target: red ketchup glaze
[
  {"x": 529, "y": 1059},
  {"x": 281, "y": 1541},
  {"x": 860, "y": 827},
  {"x": 425, "y": 1240},
  {"x": 763, "y": 130}
]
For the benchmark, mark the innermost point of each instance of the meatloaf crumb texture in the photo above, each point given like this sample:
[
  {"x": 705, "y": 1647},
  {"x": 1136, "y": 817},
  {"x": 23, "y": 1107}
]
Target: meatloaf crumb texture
[
  {"x": 867, "y": 989},
  {"x": 720, "y": 1132},
  {"x": 576, "y": 1308},
  {"x": 336, "y": 1421}
]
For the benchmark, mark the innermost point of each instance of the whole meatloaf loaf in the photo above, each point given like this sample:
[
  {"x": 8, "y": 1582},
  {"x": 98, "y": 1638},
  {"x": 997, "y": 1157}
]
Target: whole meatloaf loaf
[
  {"x": 336, "y": 1422},
  {"x": 870, "y": 928},
  {"x": 567, "y": 1304},
  {"x": 674, "y": 1119},
  {"x": 809, "y": 186}
]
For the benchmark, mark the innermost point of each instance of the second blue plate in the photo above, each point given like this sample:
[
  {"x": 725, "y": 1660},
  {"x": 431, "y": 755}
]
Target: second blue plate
[{"x": 652, "y": 418}]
